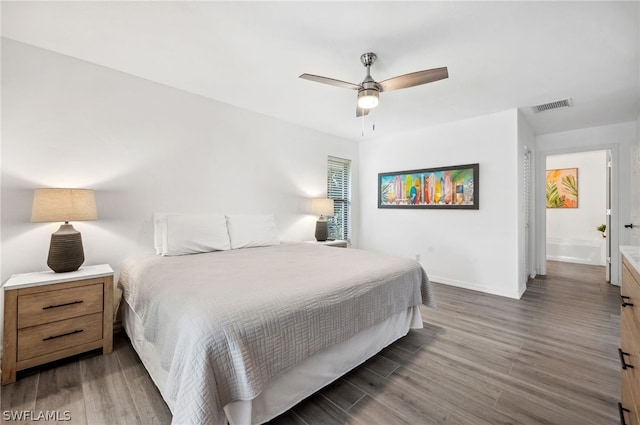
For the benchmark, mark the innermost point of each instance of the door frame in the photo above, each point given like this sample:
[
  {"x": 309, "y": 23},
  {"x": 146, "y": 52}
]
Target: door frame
[
  {"x": 608, "y": 259},
  {"x": 541, "y": 208}
]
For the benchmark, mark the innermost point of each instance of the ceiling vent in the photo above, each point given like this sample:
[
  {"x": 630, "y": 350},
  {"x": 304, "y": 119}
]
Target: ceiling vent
[{"x": 556, "y": 104}]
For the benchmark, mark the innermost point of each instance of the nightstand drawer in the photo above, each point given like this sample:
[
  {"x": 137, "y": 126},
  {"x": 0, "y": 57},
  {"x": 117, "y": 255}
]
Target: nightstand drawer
[
  {"x": 51, "y": 306},
  {"x": 38, "y": 340}
]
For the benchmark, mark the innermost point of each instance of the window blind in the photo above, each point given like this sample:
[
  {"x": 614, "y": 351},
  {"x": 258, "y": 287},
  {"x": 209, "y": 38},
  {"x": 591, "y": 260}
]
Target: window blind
[{"x": 339, "y": 189}]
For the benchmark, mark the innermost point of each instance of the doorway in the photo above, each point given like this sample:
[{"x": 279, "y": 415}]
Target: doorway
[{"x": 578, "y": 209}]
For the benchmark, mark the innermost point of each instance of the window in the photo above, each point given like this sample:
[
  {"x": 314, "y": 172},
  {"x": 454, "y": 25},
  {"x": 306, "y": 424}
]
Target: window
[{"x": 339, "y": 189}]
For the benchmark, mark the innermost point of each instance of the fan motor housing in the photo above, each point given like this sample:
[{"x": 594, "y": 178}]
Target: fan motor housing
[{"x": 370, "y": 85}]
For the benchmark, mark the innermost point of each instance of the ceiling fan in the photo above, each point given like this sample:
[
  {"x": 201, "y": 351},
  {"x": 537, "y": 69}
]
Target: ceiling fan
[{"x": 369, "y": 89}]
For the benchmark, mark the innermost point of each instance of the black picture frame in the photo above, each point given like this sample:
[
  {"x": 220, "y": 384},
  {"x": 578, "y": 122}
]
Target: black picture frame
[{"x": 456, "y": 187}]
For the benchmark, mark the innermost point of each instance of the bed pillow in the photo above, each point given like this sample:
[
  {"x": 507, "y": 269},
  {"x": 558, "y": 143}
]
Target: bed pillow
[
  {"x": 159, "y": 231},
  {"x": 180, "y": 234},
  {"x": 247, "y": 231}
]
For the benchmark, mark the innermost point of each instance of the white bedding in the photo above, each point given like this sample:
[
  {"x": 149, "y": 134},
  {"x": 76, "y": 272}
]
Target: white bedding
[
  {"x": 224, "y": 325},
  {"x": 297, "y": 383}
]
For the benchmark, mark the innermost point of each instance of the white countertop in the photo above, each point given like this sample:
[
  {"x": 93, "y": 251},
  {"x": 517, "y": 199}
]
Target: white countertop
[
  {"x": 632, "y": 254},
  {"x": 26, "y": 280}
]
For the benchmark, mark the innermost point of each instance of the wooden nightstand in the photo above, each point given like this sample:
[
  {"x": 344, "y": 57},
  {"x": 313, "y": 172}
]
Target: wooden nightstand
[
  {"x": 336, "y": 243},
  {"x": 49, "y": 316}
]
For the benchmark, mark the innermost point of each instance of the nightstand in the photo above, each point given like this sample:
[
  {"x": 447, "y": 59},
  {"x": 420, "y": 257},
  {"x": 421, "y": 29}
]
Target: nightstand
[
  {"x": 49, "y": 316},
  {"x": 335, "y": 243}
]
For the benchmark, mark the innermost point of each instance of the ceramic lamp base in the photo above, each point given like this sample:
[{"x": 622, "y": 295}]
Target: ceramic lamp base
[
  {"x": 322, "y": 230},
  {"x": 65, "y": 251}
]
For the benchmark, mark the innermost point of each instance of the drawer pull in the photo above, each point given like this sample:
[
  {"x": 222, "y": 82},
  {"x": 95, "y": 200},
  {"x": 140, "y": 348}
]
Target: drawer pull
[
  {"x": 66, "y": 304},
  {"x": 624, "y": 364},
  {"x": 77, "y": 331},
  {"x": 623, "y": 303},
  {"x": 621, "y": 411}
]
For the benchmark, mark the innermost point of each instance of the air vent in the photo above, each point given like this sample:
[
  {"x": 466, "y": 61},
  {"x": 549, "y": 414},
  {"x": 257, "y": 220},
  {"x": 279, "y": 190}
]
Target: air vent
[{"x": 564, "y": 103}]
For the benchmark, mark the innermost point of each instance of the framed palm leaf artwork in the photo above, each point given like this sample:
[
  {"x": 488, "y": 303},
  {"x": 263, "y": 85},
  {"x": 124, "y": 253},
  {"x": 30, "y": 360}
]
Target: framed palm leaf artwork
[{"x": 562, "y": 188}]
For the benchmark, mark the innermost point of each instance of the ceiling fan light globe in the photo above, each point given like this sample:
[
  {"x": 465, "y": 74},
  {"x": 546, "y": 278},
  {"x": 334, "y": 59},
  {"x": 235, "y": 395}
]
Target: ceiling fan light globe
[
  {"x": 368, "y": 99},
  {"x": 368, "y": 102}
]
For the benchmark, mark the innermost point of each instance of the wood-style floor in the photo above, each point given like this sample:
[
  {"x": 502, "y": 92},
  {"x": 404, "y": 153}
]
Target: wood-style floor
[{"x": 549, "y": 358}]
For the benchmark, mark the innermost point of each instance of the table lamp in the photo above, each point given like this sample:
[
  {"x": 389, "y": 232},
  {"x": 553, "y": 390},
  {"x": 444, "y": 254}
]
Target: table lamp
[
  {"x": 322, "y": 207},
  {"x": 49, "y": 205}
]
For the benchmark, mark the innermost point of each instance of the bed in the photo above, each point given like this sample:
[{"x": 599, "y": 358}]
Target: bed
[{"x": 242, "y": 335}]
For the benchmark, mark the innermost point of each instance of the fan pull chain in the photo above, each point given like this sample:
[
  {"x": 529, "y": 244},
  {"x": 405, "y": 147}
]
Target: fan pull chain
[
  {"x": 362, "y": 125},
  {"x": 373, "y": 120}
]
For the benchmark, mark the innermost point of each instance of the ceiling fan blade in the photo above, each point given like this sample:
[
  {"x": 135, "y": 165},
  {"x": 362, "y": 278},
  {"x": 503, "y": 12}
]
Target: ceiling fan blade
[
  {"x": 414, "y": 79},
  {"x": 360, "y": 112},
  {"x": 330, "y": 81}
]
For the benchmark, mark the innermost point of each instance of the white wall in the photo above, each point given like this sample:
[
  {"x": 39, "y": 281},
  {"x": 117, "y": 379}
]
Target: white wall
[
  {"x": 143, "y": 147},
  {"x": 619, "y": 139},
  {"x": 579, "y": 224},
  {"x": 476, "y": 249}
]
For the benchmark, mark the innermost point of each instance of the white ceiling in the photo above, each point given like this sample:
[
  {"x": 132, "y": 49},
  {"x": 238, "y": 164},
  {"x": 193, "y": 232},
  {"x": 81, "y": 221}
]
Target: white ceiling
[{"x": 500, "y": 55}]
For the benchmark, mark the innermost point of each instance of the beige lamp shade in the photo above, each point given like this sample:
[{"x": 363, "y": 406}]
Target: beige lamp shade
[
  {"x": 322, "y": 206},
  {"x": 63, "y": 205}
]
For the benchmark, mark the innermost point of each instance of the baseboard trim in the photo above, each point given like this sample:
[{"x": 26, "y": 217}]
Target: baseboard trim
[
  {"x": 522, "y": 290},
  {"x": 466, "y": 285}
]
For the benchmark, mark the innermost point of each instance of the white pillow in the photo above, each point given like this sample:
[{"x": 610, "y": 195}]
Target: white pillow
[
  {"x": 246, "y": 231},
  {"x": 159, "y": 231},
  {"x": 180, "y": 234}
]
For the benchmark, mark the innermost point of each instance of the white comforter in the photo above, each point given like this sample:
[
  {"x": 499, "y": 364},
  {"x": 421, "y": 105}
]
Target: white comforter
[{"x": 224, "y": 323}]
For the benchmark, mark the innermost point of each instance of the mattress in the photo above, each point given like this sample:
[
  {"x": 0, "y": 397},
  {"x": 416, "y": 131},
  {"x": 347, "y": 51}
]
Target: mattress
[
  {"x": 221, "y": 327},
  {"x": 297, "y": 383}
]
